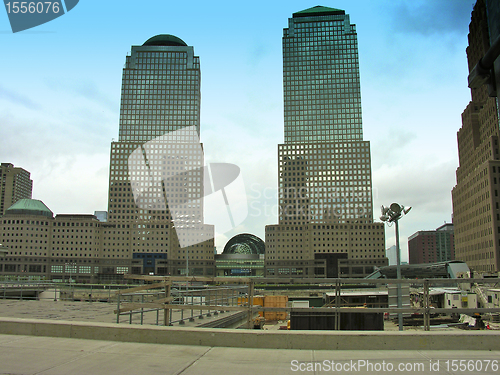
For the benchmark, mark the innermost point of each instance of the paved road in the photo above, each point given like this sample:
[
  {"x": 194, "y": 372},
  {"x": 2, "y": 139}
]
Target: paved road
[
  {"x": 59, "y": 356},
  {"x": 48, "y": 355}
]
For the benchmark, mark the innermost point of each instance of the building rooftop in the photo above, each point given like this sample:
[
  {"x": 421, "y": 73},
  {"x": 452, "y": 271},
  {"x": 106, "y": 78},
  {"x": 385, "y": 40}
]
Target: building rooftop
[
  {"x": 29, "y": 207},
  {"x": 445, "y": 227},
  {"x": 318, "y": 11},
  {"x": 76, "y": 217},
  {"x": 165, "y": 40}
]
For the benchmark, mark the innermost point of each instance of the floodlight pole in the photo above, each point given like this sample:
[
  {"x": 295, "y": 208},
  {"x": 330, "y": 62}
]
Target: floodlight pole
[
  {"x": 392, "y": 214},
  {"x": 187, "y": 271},
  {"x": 398, "y": 275}
]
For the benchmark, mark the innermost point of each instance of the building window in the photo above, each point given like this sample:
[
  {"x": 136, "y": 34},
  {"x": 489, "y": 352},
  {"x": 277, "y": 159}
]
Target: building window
[
  {"x": 121, "y": 270},
  {"x": 56, "y": 269}
]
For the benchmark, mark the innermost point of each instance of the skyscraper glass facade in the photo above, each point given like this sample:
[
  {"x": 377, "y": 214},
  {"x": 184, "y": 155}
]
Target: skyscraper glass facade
[
  {"x": 160, "y": 89},
  {"x": 160, "y": 105},
  {"x": 324, "y": 165},
  {"x": 321, "y": 77}
]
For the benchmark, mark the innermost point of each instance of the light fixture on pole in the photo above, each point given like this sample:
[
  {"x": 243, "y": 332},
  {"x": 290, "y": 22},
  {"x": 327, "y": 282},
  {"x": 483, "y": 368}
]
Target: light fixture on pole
[
  {"x": 392, "y": 214},
  {"x": 71, "y": 267}
]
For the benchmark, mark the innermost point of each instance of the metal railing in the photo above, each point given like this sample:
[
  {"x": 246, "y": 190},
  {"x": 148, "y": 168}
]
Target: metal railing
[
  {"x": 46, "y": 290},
  {"x": 214, "y": 299},
  {"x": 22, "y": 290},
  {"x": 197, "y": 301},
  {"x": 187, "y": 298}
]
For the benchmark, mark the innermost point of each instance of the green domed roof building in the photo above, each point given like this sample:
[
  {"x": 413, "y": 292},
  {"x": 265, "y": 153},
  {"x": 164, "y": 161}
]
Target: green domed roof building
[{"x": 29, "y": 207}]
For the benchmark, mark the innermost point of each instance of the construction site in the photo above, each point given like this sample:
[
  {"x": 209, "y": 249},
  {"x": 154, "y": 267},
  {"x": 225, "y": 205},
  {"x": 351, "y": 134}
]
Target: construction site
[{"x": 267, "y": 304}]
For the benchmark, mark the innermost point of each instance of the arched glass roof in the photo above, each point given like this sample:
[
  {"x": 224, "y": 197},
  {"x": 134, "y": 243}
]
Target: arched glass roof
[{"x": 244, "y": 244}]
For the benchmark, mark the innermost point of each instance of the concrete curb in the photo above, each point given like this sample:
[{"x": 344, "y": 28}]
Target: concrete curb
[{"x": 307, "y": 340}]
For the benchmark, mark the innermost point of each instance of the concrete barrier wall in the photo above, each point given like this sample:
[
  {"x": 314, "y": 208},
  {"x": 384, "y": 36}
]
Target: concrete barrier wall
[{"x": 312, "y": 340}]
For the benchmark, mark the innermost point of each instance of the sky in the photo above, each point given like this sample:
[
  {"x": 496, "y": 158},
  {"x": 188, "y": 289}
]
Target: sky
[{"x": 60, "y": 97}]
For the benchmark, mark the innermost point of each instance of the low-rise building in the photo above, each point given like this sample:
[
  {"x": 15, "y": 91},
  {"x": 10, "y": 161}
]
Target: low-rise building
[
  {"x": 432, "y": 246},
  {"x": 82, "y": 248}
]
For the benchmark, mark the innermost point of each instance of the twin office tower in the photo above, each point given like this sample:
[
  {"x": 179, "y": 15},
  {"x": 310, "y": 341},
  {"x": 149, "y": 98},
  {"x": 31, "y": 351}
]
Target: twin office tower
[{"x": 326, "y": 226}]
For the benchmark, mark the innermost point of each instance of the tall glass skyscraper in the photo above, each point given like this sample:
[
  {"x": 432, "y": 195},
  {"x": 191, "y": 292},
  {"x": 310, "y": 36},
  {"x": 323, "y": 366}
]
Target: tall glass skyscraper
[
  {"x": 321, "y": 77},
  {"x": 156, "y": 168},
  {"x": 325, "y": 190},
  {"x": 160, "y": 99},
  {"x": 323, "y": 126},
  {"x": 160, "y": 89}
]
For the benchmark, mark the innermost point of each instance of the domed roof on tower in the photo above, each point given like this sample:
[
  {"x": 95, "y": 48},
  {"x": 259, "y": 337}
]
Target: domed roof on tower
[{"x": 165, "y": 40}]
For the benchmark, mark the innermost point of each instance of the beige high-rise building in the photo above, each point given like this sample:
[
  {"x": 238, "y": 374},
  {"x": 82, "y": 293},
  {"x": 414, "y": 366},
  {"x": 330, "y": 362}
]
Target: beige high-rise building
[
  {"x": 326, "y": 226},
  {"x": 15, "y": 184},
  {"x": 476, "y": 196}
]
